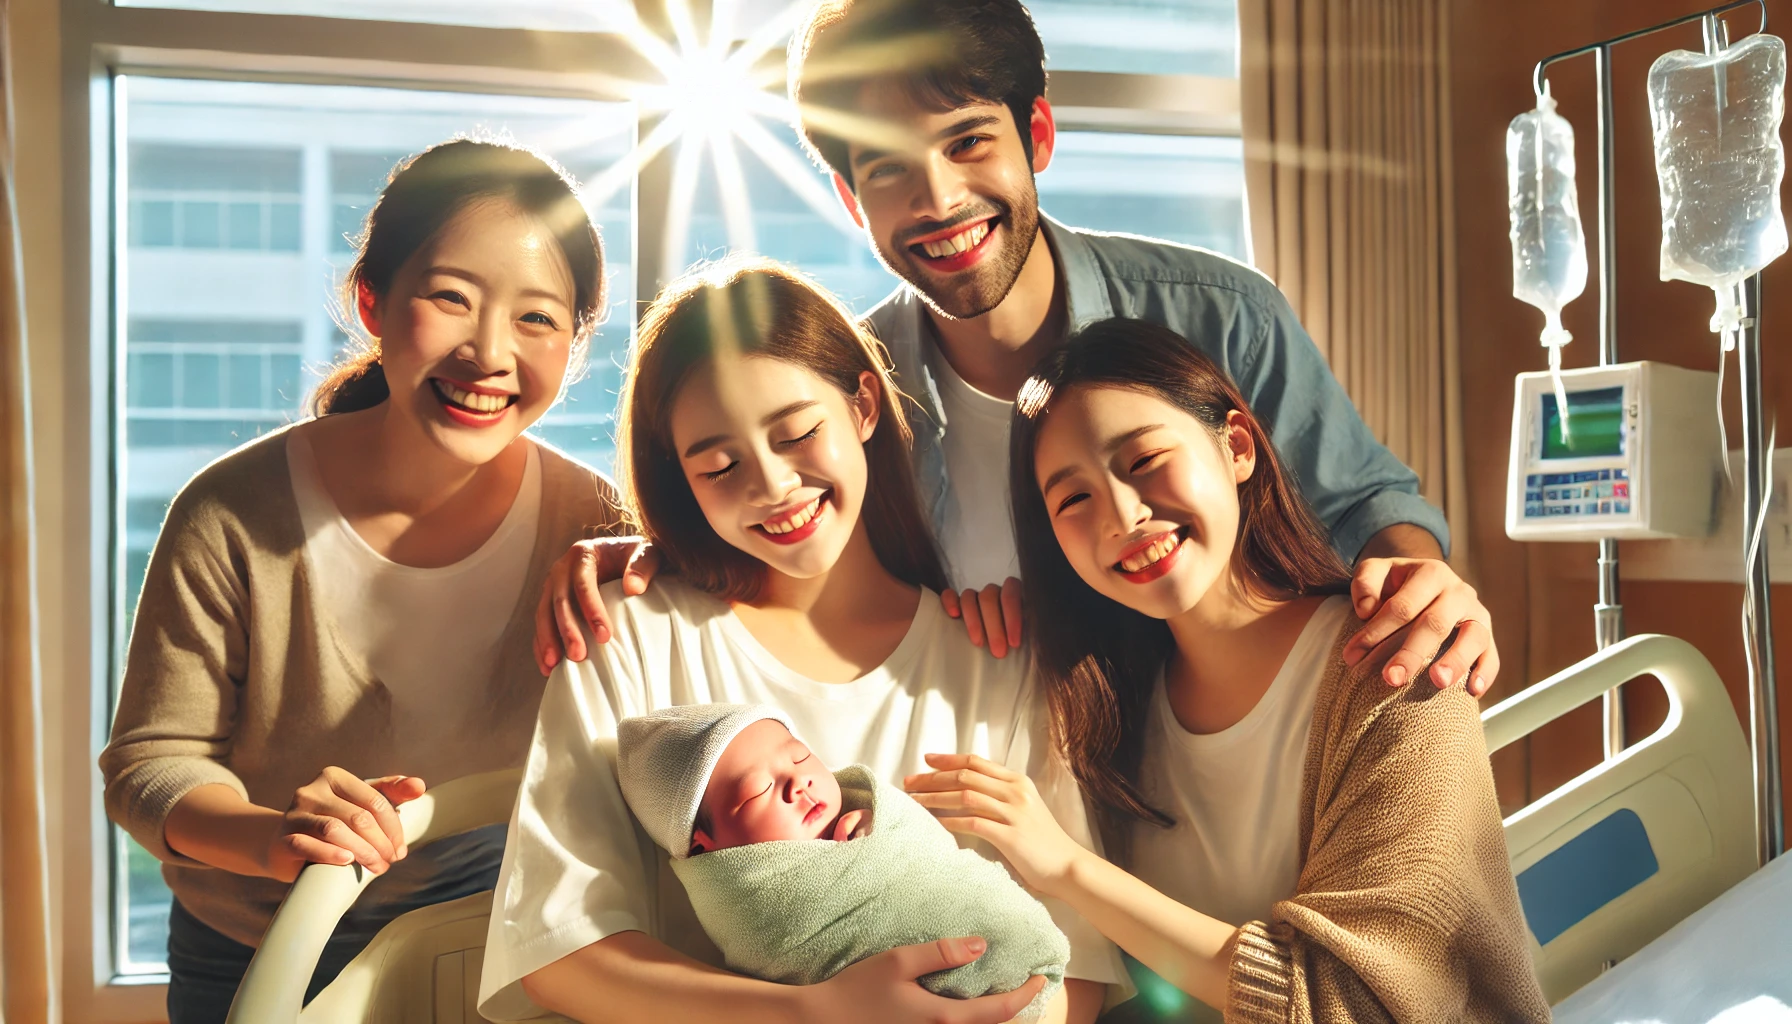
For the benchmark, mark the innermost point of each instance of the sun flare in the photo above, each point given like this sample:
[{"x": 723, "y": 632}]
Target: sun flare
[{"x": 709, "y": 99}]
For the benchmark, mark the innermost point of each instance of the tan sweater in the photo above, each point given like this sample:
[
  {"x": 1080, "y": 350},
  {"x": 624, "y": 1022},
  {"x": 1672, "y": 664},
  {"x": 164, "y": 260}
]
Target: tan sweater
[
  {"x": 1405, "y": 909},
  {"x": 234, "y": 675}
]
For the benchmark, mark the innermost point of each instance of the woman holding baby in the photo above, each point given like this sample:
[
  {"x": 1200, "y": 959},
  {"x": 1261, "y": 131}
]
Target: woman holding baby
[
  {"x": 1186, "y": 634},
  {"x": 765, "y": 456}
]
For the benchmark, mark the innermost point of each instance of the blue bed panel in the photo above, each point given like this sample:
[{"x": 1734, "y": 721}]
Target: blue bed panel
[{"x": 1586, "y": 873}]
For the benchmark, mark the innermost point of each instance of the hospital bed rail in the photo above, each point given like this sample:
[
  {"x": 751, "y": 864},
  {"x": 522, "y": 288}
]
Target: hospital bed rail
[{"x": 1624, "y": 850}]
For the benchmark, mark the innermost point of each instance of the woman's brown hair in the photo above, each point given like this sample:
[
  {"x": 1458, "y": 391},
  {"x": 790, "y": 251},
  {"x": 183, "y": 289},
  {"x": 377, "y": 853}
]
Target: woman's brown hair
[
  {"x": 423, "y": 194},
  {"x": 1097, "y": 659},
  {"x": 753, "y": 306}
]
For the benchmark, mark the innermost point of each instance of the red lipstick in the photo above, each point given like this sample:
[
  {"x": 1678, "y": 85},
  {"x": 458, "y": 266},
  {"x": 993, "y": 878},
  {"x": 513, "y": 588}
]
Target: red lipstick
[
  {"x": 1158, "y": 569},
  {"x": 803, "y": 532},
  {"x": 957, "y": 261},
  {"x": 467, "y": 417}
]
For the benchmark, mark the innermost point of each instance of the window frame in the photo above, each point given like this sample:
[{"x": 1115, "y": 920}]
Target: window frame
[{"x": 98, "y": 42}]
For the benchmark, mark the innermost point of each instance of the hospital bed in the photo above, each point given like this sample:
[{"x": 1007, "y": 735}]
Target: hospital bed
[{"x": 1604, "y": 864}]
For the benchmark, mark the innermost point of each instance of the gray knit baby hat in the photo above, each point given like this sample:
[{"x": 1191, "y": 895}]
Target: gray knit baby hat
[{"x": 664, "y": 760}]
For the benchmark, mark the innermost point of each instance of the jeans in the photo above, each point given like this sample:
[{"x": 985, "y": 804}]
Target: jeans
[{"x": 205, "y": 967}]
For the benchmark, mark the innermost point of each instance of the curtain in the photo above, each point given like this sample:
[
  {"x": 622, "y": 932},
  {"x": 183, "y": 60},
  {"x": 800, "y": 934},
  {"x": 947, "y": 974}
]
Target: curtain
[
  {"x": 26, "y": 992},
  {"x": 1348, "y": 185}
]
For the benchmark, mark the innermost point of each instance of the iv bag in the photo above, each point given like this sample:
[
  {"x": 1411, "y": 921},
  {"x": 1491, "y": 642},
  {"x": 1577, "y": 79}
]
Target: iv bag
[
  {"x": 1549, "y": 249},
  {"x": 1719, "y": 160}
]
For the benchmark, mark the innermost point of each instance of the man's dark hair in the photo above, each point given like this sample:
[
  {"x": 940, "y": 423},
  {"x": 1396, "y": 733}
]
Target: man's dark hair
[{"x": 945, "y": 53}]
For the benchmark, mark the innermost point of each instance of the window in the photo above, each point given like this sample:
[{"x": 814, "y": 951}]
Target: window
[
  {"x": 1183, "y": 188},
  {"x": 237, "y": 145},
  {"x": 1150, "y": 37}
]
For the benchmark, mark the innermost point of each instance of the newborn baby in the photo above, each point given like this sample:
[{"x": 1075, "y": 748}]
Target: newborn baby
[
  {"x": 797, "y": 873},
  {"x": 768, "y": 787}
]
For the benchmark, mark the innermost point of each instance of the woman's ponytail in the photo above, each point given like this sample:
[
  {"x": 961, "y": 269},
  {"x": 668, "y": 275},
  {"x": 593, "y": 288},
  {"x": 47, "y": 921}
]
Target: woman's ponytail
[{"x": 356, "y": 383}]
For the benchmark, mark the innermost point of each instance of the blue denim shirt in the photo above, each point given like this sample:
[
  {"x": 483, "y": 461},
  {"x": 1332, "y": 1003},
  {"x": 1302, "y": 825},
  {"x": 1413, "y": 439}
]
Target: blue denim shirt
[{"x": 1235, "y": 316}]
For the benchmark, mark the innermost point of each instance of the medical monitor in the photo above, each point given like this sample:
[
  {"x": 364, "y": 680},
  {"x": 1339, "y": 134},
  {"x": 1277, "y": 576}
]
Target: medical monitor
[{"x": 1634, "y": 454}]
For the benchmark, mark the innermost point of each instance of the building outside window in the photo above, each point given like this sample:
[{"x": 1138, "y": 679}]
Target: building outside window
[
  {"x": 198, "y": 197},
  {"x": 356, "y": 177},
  {"x": 237, "y": 203}
]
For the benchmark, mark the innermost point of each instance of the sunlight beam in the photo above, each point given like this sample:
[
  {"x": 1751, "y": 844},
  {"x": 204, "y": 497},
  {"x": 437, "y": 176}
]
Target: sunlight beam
[
  {"x": 622, "y": 173},
  {"x": 721, "y": 27},
  {"x": 797, "y": 173},
  {"x": 711, "y": 97},
  {"x": 737, "y": 208},
  {"x": 770, "y": 105},
  {"x": 921, "y": 49},
  {"x": 677, "y": 239},
  {"x": 580, "y": 132},
  {"x": 684, "y": 28},
  {"x": 769, "y": 36},
  {"x": 870, "y": 132},
  {"x": 649, "y": 45}
]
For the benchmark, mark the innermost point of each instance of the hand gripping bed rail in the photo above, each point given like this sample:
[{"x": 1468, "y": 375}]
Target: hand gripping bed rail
[
  {"x": 1626, "y": 849},
  {"x": 273, "y": 989}
]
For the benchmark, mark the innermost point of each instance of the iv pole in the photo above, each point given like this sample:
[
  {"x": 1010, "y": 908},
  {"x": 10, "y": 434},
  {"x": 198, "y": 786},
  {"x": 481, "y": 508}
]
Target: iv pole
[{"x": 1608, "y": 614}]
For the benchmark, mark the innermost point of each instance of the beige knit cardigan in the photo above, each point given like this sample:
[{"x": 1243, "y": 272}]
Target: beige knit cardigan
[
  {"x": 1405, "y": 908},
  {"x": 236, "y": 676}
]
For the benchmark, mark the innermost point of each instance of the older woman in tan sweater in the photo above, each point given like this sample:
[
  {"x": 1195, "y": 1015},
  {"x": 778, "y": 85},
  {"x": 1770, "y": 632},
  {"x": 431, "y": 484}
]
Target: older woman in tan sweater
[
  {"x": 1291, "y": 841},
  {"x": 341, "y": 610}
]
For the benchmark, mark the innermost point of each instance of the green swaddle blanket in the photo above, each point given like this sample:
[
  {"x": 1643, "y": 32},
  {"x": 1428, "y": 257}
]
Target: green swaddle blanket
[{"x": 801, "y": 911}]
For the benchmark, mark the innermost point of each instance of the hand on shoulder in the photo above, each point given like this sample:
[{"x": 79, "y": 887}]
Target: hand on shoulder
[
  {"x": 576, "y": 577},
  {"x": 1421, "y": 613},
  {"x": 992, "y": 615}
]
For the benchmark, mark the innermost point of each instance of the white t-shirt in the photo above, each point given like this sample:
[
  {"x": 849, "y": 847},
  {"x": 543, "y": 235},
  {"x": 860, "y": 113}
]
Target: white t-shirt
[
  {"x": 429, "y": 635},
  {"x": 578, "y": 868},
  {"x": 1235, "y": 794},
  {"x": 976, "y": 528}
]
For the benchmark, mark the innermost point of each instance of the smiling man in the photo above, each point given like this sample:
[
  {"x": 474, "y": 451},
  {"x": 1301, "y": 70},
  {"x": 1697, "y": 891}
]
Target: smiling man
[{"x": 932, "y": 119}]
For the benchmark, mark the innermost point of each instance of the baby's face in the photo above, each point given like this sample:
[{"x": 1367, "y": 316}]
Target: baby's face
[{"x": 767, "y": 787}]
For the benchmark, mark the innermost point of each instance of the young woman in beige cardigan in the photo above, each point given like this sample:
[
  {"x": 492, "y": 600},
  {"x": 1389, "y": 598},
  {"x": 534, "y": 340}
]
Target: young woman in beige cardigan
[
  {"x": 339, "y": 611},
  {"x": 1303, "y": 844}
]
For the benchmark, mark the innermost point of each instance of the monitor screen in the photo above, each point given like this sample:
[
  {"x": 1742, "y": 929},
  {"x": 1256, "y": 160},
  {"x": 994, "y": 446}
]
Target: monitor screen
[{"x": 1595, "y": 424}]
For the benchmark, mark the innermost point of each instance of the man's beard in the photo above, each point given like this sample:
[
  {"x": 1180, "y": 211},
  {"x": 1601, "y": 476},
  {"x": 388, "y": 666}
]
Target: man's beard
[{"x": 976, "y": 290}]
